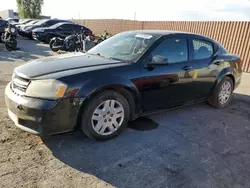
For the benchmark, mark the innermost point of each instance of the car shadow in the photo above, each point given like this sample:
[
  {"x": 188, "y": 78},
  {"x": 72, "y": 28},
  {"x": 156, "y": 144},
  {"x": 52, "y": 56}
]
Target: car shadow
[
  {"x": 26, "y": 50},
  {"x": 187, "y": 149}
]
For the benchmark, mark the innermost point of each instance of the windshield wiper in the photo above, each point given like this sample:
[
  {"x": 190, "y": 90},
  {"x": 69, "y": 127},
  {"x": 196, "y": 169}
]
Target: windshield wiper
[
  {"x": 98, "y": 55},
  {"x": 111, "y": 58}
]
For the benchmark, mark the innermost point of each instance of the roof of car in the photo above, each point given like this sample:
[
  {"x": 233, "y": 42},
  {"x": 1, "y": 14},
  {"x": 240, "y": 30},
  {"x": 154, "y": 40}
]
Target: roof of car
[{"x": 164, "y": 32}]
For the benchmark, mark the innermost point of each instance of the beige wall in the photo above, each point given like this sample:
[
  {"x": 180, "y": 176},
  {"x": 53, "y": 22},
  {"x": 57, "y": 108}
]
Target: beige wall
[
  {"x": 6, "y": 14},
  {"x": 235, "y": 36}
]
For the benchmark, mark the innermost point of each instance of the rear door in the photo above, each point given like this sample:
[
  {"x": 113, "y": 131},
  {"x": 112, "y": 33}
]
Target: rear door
[{"x": 202, "y": 71}]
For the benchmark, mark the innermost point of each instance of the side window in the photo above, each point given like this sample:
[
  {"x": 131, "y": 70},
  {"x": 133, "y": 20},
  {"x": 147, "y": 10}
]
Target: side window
[
  {"x": 174, "y": 49},
  {"x": 202, "y": 49},
  {"x": 77, "y": 28},
  {"x": 67, "y": 27},
  {"x": 51, "y": 22}
]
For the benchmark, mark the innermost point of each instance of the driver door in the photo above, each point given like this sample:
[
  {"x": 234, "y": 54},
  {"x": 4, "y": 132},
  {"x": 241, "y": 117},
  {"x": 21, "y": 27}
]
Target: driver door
[{"x": 163, "y": 85}]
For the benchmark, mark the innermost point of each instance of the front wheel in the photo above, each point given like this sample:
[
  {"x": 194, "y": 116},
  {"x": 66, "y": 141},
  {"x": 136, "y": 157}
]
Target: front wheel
[
  {"x": 222, "y": 93},
  {"x": 11, "y": 44},
  {"x": 105, "y": 115}
]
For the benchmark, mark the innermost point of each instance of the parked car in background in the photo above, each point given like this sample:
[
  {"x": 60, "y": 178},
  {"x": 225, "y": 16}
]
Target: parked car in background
[
  {"x": 12, "y": 20},
  {"x": 3, "y": 25},
  {"x": 27, "y": 31},
  {"x": 128, "y": 75},
  {"x": 23, "y": 26},
  {"x": 62, "y": 30},
  {"x": 22, "y": 22}
]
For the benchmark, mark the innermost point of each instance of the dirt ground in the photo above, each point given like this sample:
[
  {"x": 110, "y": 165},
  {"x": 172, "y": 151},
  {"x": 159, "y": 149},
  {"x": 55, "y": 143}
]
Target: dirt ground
[{"x": 191, "y": 147}]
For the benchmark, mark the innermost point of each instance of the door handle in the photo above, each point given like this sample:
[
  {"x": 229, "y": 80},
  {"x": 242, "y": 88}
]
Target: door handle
[
  {"x": 186, "y": 68},
  {"x": 218, "y": 62}
]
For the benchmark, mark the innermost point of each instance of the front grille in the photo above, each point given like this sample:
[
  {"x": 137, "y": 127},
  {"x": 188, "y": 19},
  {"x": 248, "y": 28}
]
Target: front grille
[{"x": 19, "y": 84}]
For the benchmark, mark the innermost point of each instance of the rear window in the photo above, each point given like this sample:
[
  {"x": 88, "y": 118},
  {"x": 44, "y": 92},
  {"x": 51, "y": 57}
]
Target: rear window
[{"x": 202, "y": 49}]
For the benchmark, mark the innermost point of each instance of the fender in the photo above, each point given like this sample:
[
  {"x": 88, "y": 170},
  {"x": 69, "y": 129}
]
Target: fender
[
  {"x": 94, "y": 85},
  {"x": 121, "y": 84},
  {"x": 224, "y": 72},
  {"x": 53, "y": 39}
]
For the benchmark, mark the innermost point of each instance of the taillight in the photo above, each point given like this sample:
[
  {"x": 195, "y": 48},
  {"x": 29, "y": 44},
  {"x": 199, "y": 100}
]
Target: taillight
[{"x": 240, "y": 63}]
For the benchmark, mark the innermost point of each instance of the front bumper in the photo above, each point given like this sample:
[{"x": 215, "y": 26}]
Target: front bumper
[
  {"x": 37, "y": 37},
  {"x": 42, "y": 117},
  {"x": 25, "y": 33}
]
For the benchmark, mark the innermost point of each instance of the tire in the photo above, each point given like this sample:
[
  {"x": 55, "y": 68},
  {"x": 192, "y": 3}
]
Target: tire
[
  {"x": 90, "y": 126},
  {"x": 47, "y": 38},
  {"x": 51, "y": 44},
  {"x": 215, "y": 99},
  {"x": 11, "y": 44}
]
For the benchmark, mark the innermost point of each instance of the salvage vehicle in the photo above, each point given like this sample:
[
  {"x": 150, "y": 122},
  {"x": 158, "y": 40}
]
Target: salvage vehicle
[
  {"x": 9, "y": 37},
  {"x": 129, "y": 75},
  {"x": 3, "y": 25},
  {"x": 62, "y": 30},
  {"x": 27, "y": 31}
]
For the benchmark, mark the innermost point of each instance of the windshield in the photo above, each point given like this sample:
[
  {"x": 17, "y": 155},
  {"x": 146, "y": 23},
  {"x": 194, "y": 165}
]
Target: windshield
[
  {"x": 56, "y": 25},
  {"x": 41, "y": 22},
  {"x": 124, "y": 46},
  {"x": 24, "y": 21},
  {"x": 32, "y": 22}
]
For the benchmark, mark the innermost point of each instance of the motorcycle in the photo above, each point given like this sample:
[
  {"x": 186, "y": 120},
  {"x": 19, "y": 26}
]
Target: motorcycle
[
  {"x": 103, "y": 37},
  {"x": 76, "y": 42},
  {"x": 9, "y": 37},
  {"x": 68, "y": 44}
]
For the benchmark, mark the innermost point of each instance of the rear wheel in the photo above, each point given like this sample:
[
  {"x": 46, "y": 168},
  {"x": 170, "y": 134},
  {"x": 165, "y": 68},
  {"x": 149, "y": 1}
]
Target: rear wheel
[
  {"x": 222, "y": 93},
  {"x": 52, "y": 44},
  {"x": 105, "y": 115}
]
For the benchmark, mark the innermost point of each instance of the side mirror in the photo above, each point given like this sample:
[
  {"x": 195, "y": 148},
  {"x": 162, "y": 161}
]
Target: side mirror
[{"x": 158, "y": 60}]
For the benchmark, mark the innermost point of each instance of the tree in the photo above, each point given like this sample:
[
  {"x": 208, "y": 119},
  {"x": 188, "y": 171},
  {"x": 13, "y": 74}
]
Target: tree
[{"x": 29, "y": 8}]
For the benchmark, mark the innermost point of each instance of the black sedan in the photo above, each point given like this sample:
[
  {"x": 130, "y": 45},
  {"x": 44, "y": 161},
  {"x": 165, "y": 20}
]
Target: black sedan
[
  {"x": 3, "y": 25},
  {"x": 58, "y": 30},
  {"x": 27, "y": 31},
  {"x": 128, "y": 75}
]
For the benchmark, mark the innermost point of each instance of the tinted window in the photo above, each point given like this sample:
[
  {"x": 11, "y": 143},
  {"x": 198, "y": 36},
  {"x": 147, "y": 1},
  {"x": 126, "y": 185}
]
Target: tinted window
[
  {"x": 67, "y": 27},
  {"x": 3, "y": 23},
  {"x": 175, "y": 50},
  {"x": 202, "y": 49},
  {"x": 77, "y": 28}
]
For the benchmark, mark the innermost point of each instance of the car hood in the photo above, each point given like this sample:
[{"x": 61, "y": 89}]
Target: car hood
[
  {"x": 31, "y": 27},
  {"x": 40, "y": 29},
  {"x": 61, "y": 63}
]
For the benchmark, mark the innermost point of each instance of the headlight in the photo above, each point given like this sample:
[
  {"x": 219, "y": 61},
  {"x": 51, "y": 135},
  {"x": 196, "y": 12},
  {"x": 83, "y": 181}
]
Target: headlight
[
  {"x": 46, "y": 89},
  {"x": 12, "y": 30}
]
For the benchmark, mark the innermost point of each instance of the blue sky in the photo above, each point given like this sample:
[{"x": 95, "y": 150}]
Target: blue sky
[{"x": 145, "y": 10}]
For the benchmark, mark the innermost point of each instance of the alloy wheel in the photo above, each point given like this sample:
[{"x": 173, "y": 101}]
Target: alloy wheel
[{"x": 225, "y": 92}]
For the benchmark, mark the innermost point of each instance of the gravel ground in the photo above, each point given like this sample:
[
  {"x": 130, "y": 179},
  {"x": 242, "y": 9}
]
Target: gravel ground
[{"x": 196, "y": 146}]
